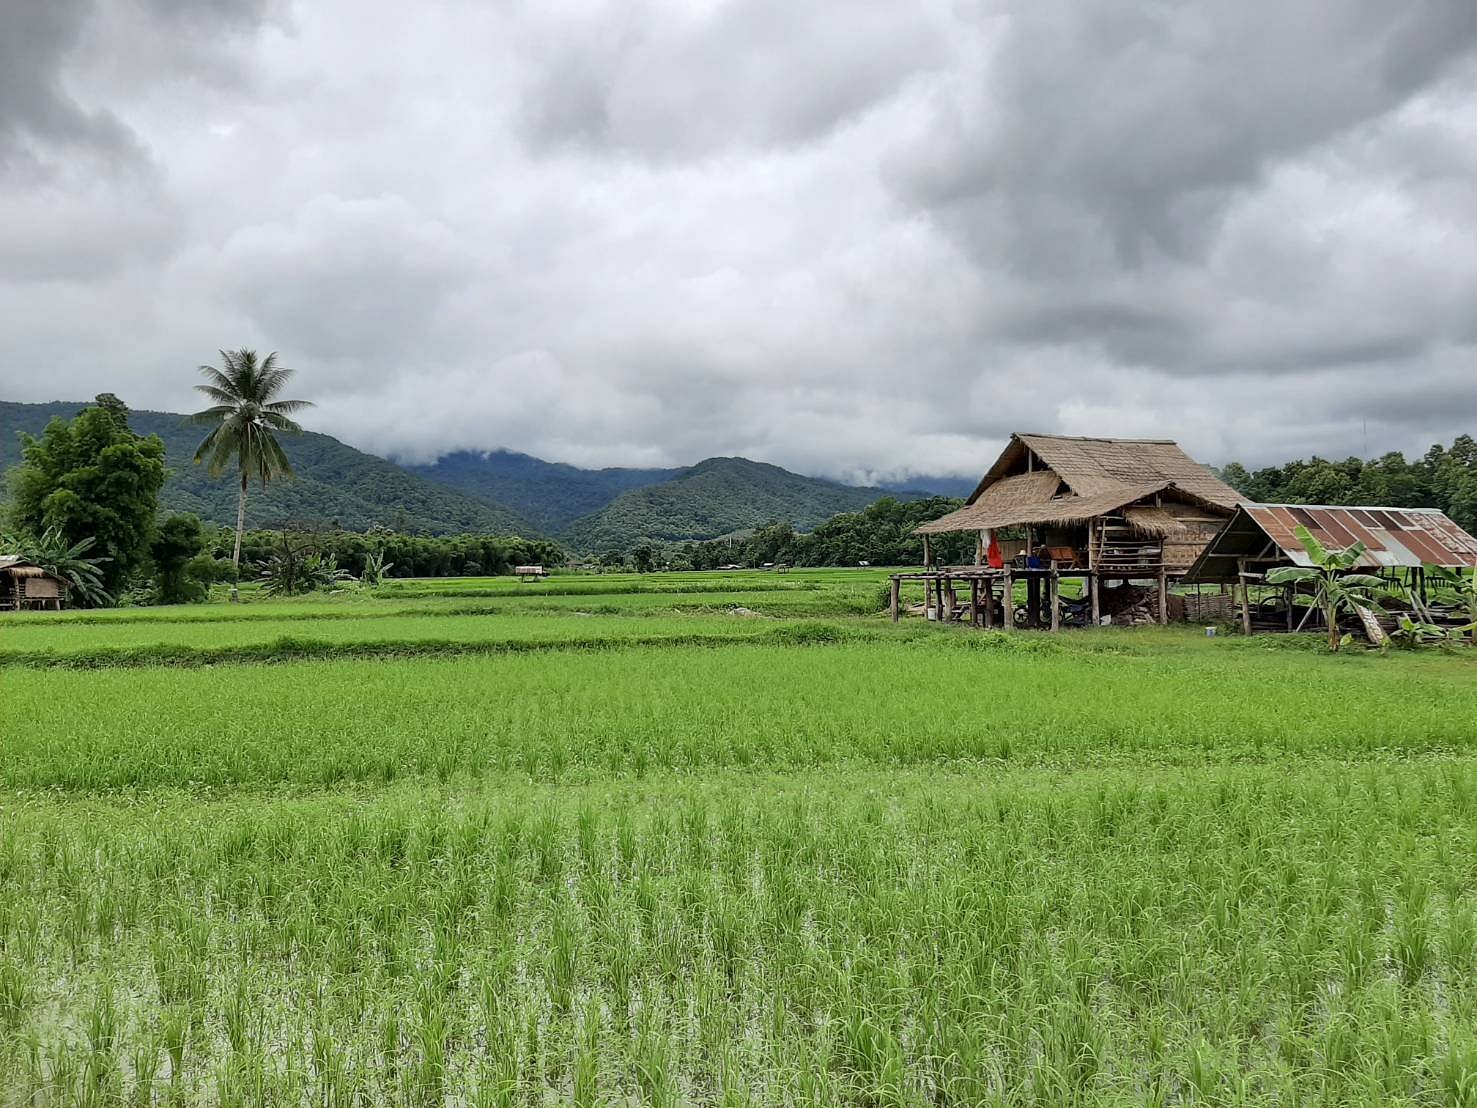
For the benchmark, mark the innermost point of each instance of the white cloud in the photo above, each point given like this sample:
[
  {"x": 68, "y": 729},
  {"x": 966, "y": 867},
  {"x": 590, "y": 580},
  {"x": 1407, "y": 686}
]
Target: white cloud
[{"x": 865, "y": 242}]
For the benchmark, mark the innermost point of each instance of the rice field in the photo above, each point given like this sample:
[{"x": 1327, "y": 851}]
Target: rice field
[{"x": 677, "y": 856}]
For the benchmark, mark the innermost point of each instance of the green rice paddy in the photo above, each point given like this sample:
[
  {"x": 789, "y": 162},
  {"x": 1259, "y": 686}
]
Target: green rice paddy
[{"x": 473, "y": 846}]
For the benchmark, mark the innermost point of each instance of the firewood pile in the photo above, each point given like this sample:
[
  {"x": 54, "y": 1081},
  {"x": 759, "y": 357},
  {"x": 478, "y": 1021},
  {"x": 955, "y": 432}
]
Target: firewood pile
[{"x": 1137, "y": 606}]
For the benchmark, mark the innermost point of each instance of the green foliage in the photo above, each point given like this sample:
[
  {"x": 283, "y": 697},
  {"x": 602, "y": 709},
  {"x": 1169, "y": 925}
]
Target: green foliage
[
  {"x": 405, "y": 555},
  {"x": 178, "y": 543},
  {"x": 71, "y": 562},
  {"x": 643, "y": 558},
  {"x": 881, "y": 534},
  {"x": 294, "y": 566},
  {"x": 92, "y": 477},
  {"x": 1455, "y": 587},
  {"x": 1335, "y": 589},
  {"x": 335, "y": 484},
  {"x": 376, "y": 570}
]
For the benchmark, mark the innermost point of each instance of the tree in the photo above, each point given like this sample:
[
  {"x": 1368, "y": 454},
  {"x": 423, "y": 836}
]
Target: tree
[
  {"x": 92, "y": 477},
  {"x": 644, "y": 559},
  {"x": 245, "y": 420},
  {"x": 1335, "y": 589},
  {"x": 177, "y": 543}
]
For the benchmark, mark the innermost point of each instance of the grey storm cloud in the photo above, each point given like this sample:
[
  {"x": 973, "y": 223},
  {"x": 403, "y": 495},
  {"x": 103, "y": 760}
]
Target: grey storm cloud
[{"x": 865, "y": 240}]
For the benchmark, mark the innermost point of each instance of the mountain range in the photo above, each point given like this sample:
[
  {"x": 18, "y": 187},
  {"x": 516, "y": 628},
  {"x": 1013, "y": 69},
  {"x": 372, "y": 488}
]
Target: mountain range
[{"x": 499, "y": 492}]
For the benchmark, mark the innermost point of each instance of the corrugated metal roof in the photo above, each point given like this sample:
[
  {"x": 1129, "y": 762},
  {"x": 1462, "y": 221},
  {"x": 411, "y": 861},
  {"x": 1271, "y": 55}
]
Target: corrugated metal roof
[{"x": 1395, "y": 536}]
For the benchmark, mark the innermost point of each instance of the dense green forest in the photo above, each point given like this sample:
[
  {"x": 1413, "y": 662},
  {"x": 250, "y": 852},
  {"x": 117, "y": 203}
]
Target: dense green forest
[
  {"x": 717, "y": 497},
  {"x": 1444, "y": 477},
  {"x": 881, "y": 534},
  {"x": 407, "y": 555},
  {"x": 334, "y": 484}
]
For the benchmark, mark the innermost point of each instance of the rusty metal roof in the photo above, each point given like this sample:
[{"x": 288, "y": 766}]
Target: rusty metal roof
[
  {"x": 1262, "y": 534},
  {"x": 1395, "y": 536}
]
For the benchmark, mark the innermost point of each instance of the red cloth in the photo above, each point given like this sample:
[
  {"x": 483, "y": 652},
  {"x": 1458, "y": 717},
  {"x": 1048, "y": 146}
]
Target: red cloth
[{"x": 993, "y": 554}]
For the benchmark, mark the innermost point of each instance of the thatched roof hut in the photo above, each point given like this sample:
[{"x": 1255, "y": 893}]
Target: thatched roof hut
[
  {"x": 24, "y": 584},
  {"x": 1117, "y": 503}
]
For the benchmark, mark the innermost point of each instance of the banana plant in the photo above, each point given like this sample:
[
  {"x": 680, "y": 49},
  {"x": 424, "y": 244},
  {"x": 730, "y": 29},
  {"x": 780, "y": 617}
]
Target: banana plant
[
  {"x": 1457, "y": 588},
  {"x": 376, "y": 569},
  {"x": 1335, "y": 589}
]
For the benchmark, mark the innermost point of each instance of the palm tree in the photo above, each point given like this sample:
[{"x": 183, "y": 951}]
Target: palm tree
[{"x": 244, "y": 422}]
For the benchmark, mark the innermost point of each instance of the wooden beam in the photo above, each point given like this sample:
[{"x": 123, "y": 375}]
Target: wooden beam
[
  {"x": 1245, "y": 596},
  {"x": 974, "y": 602},
  {"x": 894, "y": 601},
  {"x": 1054, "y": 598},
  {"x": 1096, "y": 607},
  {"x": 1163, "y": 598},
  {"x": 989, "y": 602},
  {"x": 1007, "y": 603},
  {"x": 927, "y": 554}
]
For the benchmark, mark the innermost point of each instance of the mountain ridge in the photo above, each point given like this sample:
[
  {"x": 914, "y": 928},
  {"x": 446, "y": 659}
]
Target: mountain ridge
[
  {"x": 334, "y": 483},
  {"x": 715, "y": 497},
  {"x": 498, "y": 491}
]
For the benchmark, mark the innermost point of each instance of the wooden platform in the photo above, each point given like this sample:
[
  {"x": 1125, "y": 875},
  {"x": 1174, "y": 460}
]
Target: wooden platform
[{"x": 990, "y": 600}]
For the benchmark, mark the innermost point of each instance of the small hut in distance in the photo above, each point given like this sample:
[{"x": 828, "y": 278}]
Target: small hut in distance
[
  {"x": 24, "y": 584},
  {"x": 1097, "y": 509}
]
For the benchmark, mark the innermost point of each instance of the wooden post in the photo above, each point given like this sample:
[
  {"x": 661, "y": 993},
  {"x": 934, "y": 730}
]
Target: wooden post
[
  {"x": 1245, "y": 596},
  {"x": 946, "y": 600},
  {"x": 1007, "y": 603},
  {"x": 1163, "y": 597},
  {"x": 1095, "y": 608},
  {"x": 989, "y": 584},
  {"x": 927, "y": 554},
  {"x": 894, "y": 603},
  {"x": 974, "y": 602},
  {"x": 979, "y": 550},
  {"x": 1290, "y": 591},
  {"x": 1033, "y": 601},
  {"x": 1054, "y": 597}
]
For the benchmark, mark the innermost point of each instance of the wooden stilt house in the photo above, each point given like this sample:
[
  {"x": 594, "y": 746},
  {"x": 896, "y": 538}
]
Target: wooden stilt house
[{"x": 1101, "y": 510}]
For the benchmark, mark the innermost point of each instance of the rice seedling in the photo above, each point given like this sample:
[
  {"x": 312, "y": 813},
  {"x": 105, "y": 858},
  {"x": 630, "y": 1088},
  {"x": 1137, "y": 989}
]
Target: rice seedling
[
  {"x": 861, "y": 936},
  {"x": 597, "y": 865}
]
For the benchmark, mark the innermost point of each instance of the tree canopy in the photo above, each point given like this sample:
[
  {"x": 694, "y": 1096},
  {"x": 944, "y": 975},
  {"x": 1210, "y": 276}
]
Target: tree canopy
[{"x": 93, "y": 477}]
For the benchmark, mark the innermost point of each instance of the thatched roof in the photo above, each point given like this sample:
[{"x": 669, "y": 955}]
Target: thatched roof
[
  {"x": 1059, "y": 510},
  {"x": 1156, "y": 522},
  {"x": 1091, "y": 466},
  {"x": 1083, "y": 479},
  {"x": 14, "y": 565}
]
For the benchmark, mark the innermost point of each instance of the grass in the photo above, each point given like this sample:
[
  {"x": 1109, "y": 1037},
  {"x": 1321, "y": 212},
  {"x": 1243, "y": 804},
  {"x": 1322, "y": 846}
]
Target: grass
[{"x": 666, "y": 855}]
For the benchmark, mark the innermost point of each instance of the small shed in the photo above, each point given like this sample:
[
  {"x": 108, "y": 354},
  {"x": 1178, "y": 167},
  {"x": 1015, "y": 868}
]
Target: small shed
[
  {"x": 24, "y": 584},
  {"x": 1399, "y": 543},
  {"x": 1259, "y": 537}
]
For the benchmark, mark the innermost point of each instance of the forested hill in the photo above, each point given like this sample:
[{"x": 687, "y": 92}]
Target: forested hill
[
  {"x": 716, "y": 497},
  {"x": 334, "y": 484},
  {"x": 550, "y": 495}
]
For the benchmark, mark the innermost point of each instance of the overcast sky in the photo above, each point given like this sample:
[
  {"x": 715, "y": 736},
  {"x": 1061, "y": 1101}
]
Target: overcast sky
[{"x": 863, "y": 239}]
